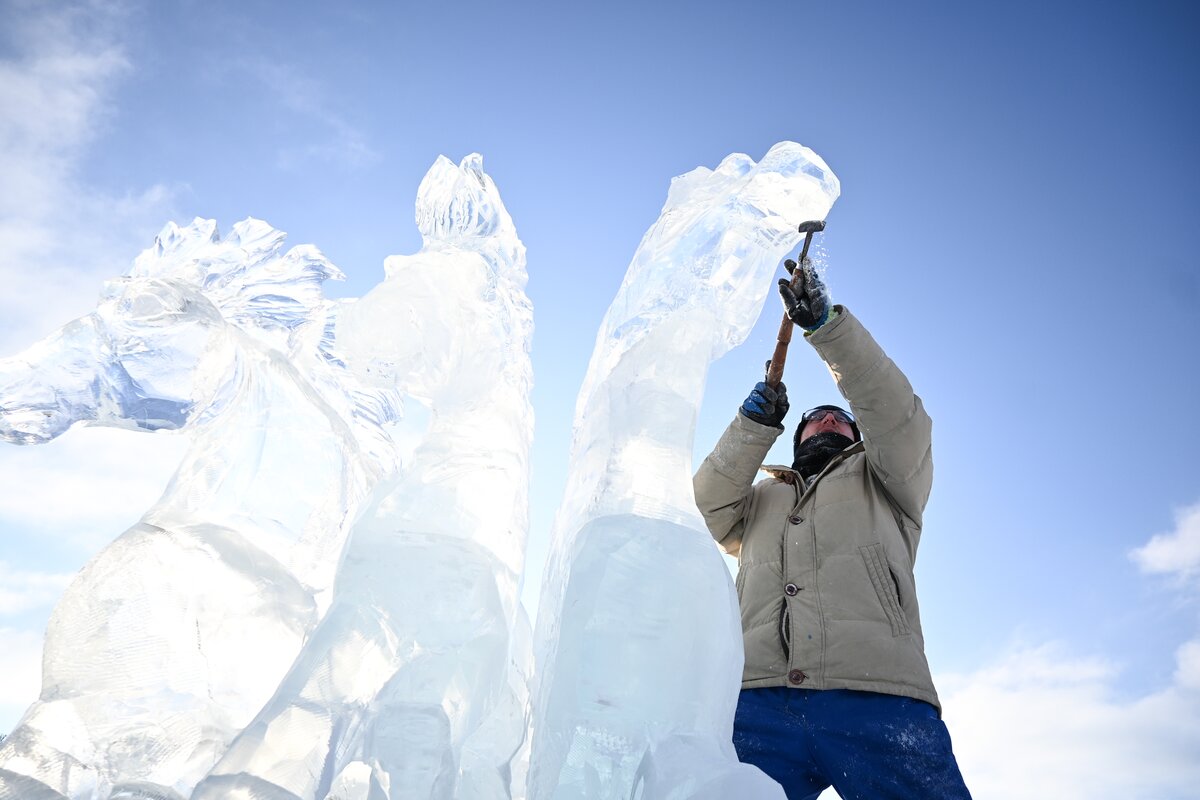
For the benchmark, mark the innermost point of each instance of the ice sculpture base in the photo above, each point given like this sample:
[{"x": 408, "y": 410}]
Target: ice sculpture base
[
  {"x": 21, "y": 787},
  {"x": 640, "y": 717},
  {"x": 144, "y": 791},
  {"x": 242, "y": 787}
]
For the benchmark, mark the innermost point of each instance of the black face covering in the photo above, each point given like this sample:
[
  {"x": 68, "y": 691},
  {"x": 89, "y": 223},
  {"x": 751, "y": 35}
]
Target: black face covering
[{"x": 814, "y": 452}]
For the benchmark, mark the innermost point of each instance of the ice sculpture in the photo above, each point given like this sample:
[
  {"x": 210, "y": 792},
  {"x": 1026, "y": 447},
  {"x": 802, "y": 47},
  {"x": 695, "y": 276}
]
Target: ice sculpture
[
  {"x": 638, "y": 638},
  {"x": 167, "y": 642},
  {"x": 413, "y": 685}
]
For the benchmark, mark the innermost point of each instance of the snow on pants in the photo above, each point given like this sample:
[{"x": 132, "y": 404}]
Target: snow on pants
[{"x": 867, "y": 746}]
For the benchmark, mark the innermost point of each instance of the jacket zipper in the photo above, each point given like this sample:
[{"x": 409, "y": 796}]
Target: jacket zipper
[
  {"x": 784, "y": 619},
  {"x": 785, "y": 635}
]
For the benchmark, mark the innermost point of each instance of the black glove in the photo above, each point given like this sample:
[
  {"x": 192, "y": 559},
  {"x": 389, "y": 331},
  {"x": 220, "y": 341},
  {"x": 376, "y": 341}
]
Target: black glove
[
  {"x": 765, "y": 405},
  {"x": 808, "y": 304}
]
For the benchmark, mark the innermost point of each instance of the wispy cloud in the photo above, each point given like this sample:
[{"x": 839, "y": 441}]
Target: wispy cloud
[
  {"x": 20, "y": 673},
  {"x": 1175, "y": 553},
  {"x": 59, "y": 237},
  {"x": 1045, "y": 722},
  {"x": 334, "y": 138},
  {"x": 22, "y": 590},
  {"x": 1187, "y": 671},
  {"x": 53, "y": 92},
  {"x": 87, "y": 486}
]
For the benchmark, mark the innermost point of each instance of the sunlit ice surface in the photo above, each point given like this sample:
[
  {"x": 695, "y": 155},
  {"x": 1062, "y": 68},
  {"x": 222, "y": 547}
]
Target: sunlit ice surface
[
  {"x": 638, "y": 641},
  {"x": 314, "y": 609},
  {"x": 415, "y": 683},
  {"x": 170, "y": 639}
]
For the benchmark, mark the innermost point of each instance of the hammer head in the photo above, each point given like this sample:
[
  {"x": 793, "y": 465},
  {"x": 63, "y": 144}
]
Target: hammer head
[{"x": 812, "y": 226}]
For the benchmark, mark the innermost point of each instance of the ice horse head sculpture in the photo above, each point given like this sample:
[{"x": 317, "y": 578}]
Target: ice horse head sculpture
[
  {"x": 171, "y": 638},
  {"x": 412, "y": 686},
  {"x": 639, "y": 642}
]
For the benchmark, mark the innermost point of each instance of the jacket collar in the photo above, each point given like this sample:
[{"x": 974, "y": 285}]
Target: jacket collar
[{"x": 792, "y": 477}]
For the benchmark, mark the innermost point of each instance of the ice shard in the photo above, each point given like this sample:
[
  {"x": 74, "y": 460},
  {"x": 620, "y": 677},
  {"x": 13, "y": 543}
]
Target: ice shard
[
  {"x": 169, "y": 640},
  {"x": 414, "y": 684},
  {"x": 638, "y": 638}
]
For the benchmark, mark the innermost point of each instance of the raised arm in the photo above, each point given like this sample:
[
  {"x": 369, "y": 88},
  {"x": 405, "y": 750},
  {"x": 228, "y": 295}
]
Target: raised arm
[
  {"x": 896, "y": 430},
  {"x": 724, "y": 484}
]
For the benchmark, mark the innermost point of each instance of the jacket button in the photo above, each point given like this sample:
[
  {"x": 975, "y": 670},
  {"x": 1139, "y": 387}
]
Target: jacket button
[
  {"x": 791, "y": 589},
  {"x": 795, "y": 519},
  {"x": 797, "y": 677}
]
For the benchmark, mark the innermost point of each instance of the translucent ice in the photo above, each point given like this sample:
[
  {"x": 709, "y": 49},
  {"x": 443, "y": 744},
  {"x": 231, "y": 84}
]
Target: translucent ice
[
  {"x": 638, "y": 636},
  {"x": 167, "y": 642},
  {"x": 202, "y": 620},
  {"x": 413, "y": 685}
]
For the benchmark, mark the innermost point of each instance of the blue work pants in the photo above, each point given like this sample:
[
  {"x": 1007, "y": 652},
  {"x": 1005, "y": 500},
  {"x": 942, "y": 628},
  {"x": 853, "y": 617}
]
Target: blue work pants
[{"x": 868, "y": 746}]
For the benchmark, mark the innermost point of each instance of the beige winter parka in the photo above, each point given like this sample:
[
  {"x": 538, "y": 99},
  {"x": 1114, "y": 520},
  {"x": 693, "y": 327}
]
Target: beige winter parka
[{"x": 825, "y": 578}]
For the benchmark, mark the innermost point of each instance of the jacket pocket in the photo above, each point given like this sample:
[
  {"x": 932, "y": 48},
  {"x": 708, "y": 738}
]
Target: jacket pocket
[
  {"x": 785, "y": 631},
  {"x": 885, "y": 588}
]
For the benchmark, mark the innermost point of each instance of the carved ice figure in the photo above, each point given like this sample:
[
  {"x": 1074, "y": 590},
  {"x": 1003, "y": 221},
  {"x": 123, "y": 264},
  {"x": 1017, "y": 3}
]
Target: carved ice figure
[
  {"x": 639, "y": 646},
  {"x": 168, "y": 641},
  {"x": 413, "y": 685}
]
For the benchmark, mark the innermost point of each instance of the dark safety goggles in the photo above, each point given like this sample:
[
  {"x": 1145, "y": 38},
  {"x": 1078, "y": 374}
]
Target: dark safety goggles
[{"x": 819, "y": 413}]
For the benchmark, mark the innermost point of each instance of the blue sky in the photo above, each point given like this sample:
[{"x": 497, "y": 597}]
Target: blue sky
[{"x": 1020, "y": 186}]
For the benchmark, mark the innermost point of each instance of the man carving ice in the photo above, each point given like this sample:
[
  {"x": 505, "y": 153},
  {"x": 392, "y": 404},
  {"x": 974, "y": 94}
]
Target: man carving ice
[{"x": 836, "y": 688}]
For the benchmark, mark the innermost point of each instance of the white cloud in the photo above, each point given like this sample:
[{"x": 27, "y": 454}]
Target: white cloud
[
  {"x": 1176, "y": 553},
  {"x": 53, "y": 97},
  {"x": 1043, "y": 722},
  {"x": 1046, "y": 723},
  {"x": 21, "y": 590},
  {"x": 20, "y": 674},
  {"x": 87, "y": 486},
  {"x": 59, "y": 238},
  {"x": 341, "y": 142},
  {"x": 1187, "y": 671}
]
